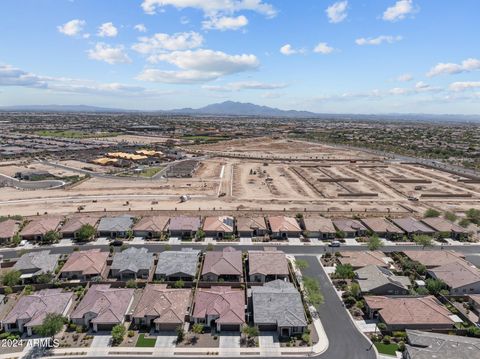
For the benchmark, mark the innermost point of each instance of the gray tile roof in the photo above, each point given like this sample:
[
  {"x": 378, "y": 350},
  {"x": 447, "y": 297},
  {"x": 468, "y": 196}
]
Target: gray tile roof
[
  {"x": 37, "y": 262},
  {"x": 278, "y": 302},
  {"x": 172, "y": 262},
  {"x": 372, "y": 277},
  {"x": 115, "y": 224},
  {"x": 132, "y": 259}
]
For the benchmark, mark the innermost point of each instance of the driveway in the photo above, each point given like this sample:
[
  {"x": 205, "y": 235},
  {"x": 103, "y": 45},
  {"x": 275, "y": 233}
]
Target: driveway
[
  {"x": 101, "y": 241},
  {"x": 230, "y": 340},
  {"x": 246, "y": 240},
  {"x": 166, "y": 340},
  {"x": 351, "y": 242},
  {"x": 101, "y": 341},
  {"x": 174, "y": 240},
  {"x": 268, "y": 340},
  {"x": 294, "y": 241}
]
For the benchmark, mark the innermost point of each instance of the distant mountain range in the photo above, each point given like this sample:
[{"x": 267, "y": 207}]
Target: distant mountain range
[{"x": 231, "y": 108}]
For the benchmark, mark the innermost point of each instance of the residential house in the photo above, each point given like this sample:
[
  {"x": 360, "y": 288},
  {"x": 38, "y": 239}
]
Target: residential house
[
  {"x": 33, "y": 264},
  {"x": 412, "y": 227},
  {"x": 184, "y": 227},
  {"x": 351, "y": 228},
  {"x": 249, "y": 227},
  {"x": 36, "y": 229},
  {"x": 277, "y": 306},
  {"x": 400, "y": 313},
  {"x": 219, "y": 227},
  {"x": 8, "y": 229},
  {"x": 378, "y": 280},
  {"x": 383, "y": 228},
  {"x": 446, "y": 228},
  {"x": 360, "y": 259},
  {"x": 103, "y": 307},
  {"x": 267, "y": 265},
  {"x": 30, "y": 310},
  {"x": 461, "y": 277},
  {"x": 163, "y": 308},
  {"x": 85, "y": 265},
  {"x": 223, "y": 265},
  {"x": 132, "y": 263},
  {"x": 176, "y": 265},
  {"x": 284, "y": 227},
  {"x": 114, "y": 227},
  {"x": 319, "y": 227},
  {"x": 74, "y": 224},
  {"x": 439, "y": 259},
  {"x": 221, "y": 308},
  {"x": 151, "y": 227}
]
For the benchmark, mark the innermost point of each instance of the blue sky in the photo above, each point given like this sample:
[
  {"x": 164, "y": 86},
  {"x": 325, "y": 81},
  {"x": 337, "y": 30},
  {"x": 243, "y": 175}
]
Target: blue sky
[{"x": 356, "y": 56}]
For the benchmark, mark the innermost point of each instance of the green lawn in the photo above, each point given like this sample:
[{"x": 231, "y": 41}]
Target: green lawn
[
  {"x": 150, "y": 172},
  {"x": 388, "y": 349},
  {"x": 74, "y": 134},
  {"x": 143, "y": 342}
]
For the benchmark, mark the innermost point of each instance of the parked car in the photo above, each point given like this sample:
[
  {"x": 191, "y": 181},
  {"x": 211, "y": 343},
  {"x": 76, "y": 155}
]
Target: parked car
[
  {"x": 334, "y": 244},
  {"x": 116, "y": 243}
]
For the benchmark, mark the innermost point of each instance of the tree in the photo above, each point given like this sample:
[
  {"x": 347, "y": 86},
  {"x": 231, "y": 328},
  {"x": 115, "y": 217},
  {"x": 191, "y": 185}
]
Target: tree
[
  {"x": 129, "y": 234},
  {"x": 312, "y": 289},
  {"x": 200, "y": 234},
  {"x": 7, "y": 290},
  {"x": 28, "y": 289},
  {"x": 344, "y": 271},
  {"x": 301, "y": 264},
  {"x": 131, "y": 283},
  {"x": 180, "y": 334},
  {"x": 464, "y": 222},
  {"x": 430, "y": 213},
  {"x": 434, "y": 286},
  {"x": 86, "y": 232},
  {"x": 355, "y": 290},
  {"x": 44, "y": 278},
  {"x": 51, "y": 237},
  {"x": 52, "y": 324},
  {"x": 374, "y": 243},
  {"x": 118, "y": 333},
  {"x": 473, "y": 215},
  {"x": 250, "y": 333},
  {"x": 423, "y": 240},
  {"x": 16, "y": 239},
  {"x": 450, "y": 216},
  {"x": 197, "y": 329},
  {"x": 11, "y": 278},
  {"x": 179, "y": 284}
]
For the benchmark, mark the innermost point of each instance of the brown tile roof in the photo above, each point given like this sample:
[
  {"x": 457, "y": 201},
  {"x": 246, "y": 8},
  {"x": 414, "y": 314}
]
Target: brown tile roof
[
  {"x": 283, "y": 224},
  {"x": 475, "y": 298},
  {"x": 457, "y": 274},
  {"x": 152, "y": 224},
  {"x": 410, "y": 310},
  {"x": 8, "y": 228},
  {"x": 443, "y": 225},
  {"x": 267, "y": 262},
  {"x": 359, "y": 259},
  {"x": 226, "y": 302},
  {"x": 411, "y": 225},
  {"x": 381, "y": 225},
  {"x": 88, "y": 262},
  {"x": 40, "y": 226},
  {"x": 218, "y": 224},
  {"x": 183, "y": 223},
  {"x": 245, "y": 224},
  {"x": 319, "y": 224},
  {"x": 166, "y": 304},
  {"x": 440, "y": 258},
  {"x": 75, "y": 223},
  {"x": 226, "y": 262},
  {"x": 349, "y": 225},
  {"x": 109, "y": 305}
]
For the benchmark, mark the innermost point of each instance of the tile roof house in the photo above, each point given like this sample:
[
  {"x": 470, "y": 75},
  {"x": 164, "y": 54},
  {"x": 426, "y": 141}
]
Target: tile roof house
[
  {"x": 103, "y": 307},
  {"x": 73, "y": 225},
  {"x": 30, "y": 310},
  {"x": 360, "y": 259},
  {"x": 400, "y": 313},
  {"x": 383, "y": 228},
  {"x": 132, "y": 263},
  {"x": 461, "y": 277},
  {"x": 350, "y": 227},
  {"x": 440, "y": 258},
  {"x": 114, "y": 227},
  {"x": 319, "y": 227},
  {"x": 427, "y": 345},
  {"x": 36, "y": 229},
  {"x": 249, "y": 227},
  {"x": 474, "y": 301},
  {"x": 441, "y": 225},
  {"x": 278, "y": 306},
  {"x": 218, "y": 227},
  {"x": 219, "y": 307},
  {"x": 412, "y": 227},
  {"x": 283, "y": 227},
  {"x": 8, "y": 229},
  {"x": 175, "y": 265},
  {"x": 163, "y": 307},
  {"x": 267, "y": 265},
  {"x": 184, "y": 227},
  {"x": 85, "y": 265},
  {"x": 32, "y": 264},
  {"x": 151, "y": 226},
  {"x": 226, "y": 265},
  {"x": 380, "y": 281}
]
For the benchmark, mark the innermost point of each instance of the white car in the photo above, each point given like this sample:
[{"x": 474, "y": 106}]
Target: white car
[
  {"x": 23, "y": 243},
  {"x": 334, "y": 244}
]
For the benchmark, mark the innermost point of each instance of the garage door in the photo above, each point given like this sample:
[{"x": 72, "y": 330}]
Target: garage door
[
  {"x": 267, "y": 328},
  {"x": 164, "y": 327},
  {"x": 104, "y": 327},
  {"x": 230, "y": 327}
]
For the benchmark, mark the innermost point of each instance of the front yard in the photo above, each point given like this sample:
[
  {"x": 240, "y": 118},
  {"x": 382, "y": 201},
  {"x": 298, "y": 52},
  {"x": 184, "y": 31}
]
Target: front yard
[
  {"x": 388, "y": 349},
  {"x": 143, "y": 342}
]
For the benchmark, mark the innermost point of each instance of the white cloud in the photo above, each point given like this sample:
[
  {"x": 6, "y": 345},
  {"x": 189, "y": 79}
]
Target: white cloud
[
  {"x": 405, "y": 78},
  {"x": 399, "y": 91},
  {"x": 140, "y": 28},
  {"x": 72, "y": 27},
  {"x": 288, "y": 50},
  {"x": 464, "y": 85},
  {"x": 399, "y": 11},
  {"x": 378, "y": 40},
  {"x": 198, "y": 66},
  {"x": 467, "y": 65},
  {"x": 107, "y": 30},
  {"x": 109, "y": 54},
  {"x": 245, "y": 85},
  {"x": 337, "y": 12},
  {"x": 212, "y": 7},
  {"x": 225, "y": 23},
  {"x": 161, "y": 42},
  {"x": 323, "y": 48}
]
